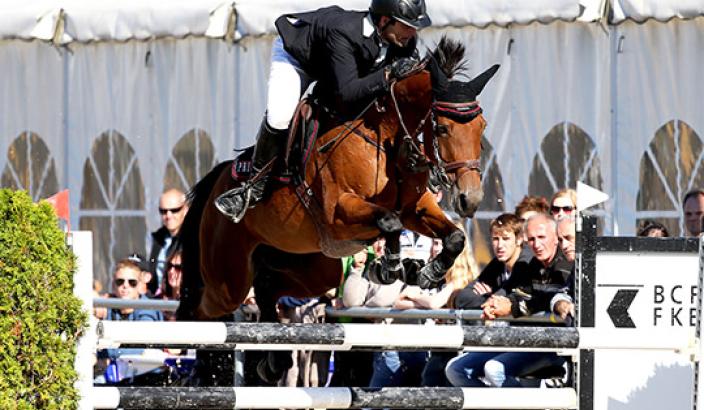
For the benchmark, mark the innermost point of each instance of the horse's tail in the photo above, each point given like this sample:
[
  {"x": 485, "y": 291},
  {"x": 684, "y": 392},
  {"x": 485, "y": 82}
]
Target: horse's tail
[{"x": 189, "y": 234}]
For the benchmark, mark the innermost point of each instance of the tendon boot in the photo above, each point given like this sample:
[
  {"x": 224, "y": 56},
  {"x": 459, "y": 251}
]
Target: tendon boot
[{"x": 235, "y": 202}]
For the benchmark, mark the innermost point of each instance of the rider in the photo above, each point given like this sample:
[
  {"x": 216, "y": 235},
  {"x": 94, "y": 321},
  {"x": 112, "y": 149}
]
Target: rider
[{"x": 353, "y": 55}]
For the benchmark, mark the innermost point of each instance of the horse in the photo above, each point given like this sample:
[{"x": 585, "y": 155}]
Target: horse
[{"x": 365, "y": 178}]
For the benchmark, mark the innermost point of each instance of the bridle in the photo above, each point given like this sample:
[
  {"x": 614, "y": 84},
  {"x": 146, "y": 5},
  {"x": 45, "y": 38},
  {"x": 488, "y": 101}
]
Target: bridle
[{"x": 420, "y": 161}]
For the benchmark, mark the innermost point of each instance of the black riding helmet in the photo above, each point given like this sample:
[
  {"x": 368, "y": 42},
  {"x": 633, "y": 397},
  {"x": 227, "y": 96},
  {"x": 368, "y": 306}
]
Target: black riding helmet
[{"x": 409, "y": 12}]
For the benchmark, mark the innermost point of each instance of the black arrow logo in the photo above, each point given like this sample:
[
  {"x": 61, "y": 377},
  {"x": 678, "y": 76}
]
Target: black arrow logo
[{"x": 618, "y": 308}]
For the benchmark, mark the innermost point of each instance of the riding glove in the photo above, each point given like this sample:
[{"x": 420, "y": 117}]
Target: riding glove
[{"x": 402, "y": 68}]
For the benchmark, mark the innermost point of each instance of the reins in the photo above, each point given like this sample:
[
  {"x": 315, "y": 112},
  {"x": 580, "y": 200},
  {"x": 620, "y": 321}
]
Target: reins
[{"x": 418, "y": 160}]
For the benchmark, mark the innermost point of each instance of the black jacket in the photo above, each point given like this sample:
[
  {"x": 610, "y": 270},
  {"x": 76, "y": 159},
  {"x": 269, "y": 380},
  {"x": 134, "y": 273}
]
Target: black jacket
[
  {"x": 331, "y": 47},
  {"x": 544, "y": 284},
  {"x": 491, "y": 276},
  {"x": 158, "y": 241}
]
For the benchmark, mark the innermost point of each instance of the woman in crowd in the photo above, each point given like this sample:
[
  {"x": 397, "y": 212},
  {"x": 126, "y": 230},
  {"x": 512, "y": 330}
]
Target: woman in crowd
[{"x": 563, "y": 203}]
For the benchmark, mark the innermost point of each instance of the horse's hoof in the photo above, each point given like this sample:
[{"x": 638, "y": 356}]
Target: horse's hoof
[
  {"x": 389, "y": 223},
  {"x": 280, "y": 361},
  {"x": 267, "y": 375}
]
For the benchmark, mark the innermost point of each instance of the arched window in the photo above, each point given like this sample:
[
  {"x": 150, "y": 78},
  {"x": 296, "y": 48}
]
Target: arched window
[
  {"x": 567, "y": 155},
  {"x": 191, "y": 159},
  {"x": 670, "y": 166},
  {"x": 112, "y": 203},
  {"x": 30, "y": 166},
  {"x": 492, "y": 205}
]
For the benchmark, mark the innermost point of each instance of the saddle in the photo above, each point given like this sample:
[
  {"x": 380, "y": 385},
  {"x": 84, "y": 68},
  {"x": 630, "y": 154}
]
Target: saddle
[{"x": 304, "y": 131}]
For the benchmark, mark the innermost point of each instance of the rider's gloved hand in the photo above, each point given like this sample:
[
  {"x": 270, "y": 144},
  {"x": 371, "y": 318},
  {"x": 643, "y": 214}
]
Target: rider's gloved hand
[{"x": 401, "y": 68}]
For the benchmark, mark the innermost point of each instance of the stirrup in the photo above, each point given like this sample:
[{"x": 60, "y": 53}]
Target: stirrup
[{"x": 224, "y": 202}]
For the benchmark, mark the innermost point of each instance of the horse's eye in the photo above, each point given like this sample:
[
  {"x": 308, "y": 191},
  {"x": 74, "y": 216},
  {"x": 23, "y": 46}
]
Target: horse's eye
[{"x": 441, "y": 130}]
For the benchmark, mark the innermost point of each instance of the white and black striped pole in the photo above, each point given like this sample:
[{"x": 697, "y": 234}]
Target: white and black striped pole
[
  {"x": 333, "y": 398},
  {"x": 273, "y": 336}
]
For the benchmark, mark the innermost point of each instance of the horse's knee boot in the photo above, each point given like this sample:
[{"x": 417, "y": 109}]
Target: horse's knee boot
[
  {"x": 453, "y": 244},
  {"x": 381, "y": 274},
  {"x": 389, "y": 223},
  {"x": 430, "y": 275}
]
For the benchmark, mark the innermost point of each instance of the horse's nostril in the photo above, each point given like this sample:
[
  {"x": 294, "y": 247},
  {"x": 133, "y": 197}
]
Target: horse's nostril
[{"x": 463, "y": 201}]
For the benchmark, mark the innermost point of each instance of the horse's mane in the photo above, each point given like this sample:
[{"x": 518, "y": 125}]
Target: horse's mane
[
  {"x": 189, "y": 235},
  {"x": 449, "y": 54}
]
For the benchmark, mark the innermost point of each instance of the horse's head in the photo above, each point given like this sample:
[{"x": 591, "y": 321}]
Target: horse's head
[{"x": 457, "y": 127}]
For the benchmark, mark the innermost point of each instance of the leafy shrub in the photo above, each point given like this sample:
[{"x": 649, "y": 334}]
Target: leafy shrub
[{"x": 40, "y": 318}]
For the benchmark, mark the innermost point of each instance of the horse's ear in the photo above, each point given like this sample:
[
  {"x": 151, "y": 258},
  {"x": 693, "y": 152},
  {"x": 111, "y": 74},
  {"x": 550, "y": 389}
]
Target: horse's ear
[
  {"x": 477, "y": 84},
  {"x": 437, "y": 77}
]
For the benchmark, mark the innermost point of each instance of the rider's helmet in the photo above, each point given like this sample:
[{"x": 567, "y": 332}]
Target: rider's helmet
[{"x": 409, "y": 12}]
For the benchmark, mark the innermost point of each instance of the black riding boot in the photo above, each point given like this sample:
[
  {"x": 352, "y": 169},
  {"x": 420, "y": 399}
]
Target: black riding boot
[{"x": 235, "y": 202}]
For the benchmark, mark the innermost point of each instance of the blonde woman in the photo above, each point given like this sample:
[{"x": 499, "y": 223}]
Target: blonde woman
[{"x": 563, "y": 203}]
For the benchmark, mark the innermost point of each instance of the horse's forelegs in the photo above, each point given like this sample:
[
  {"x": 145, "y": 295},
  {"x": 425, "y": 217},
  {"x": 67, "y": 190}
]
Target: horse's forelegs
[
  {"x": 351, "y": 209},
  {"x": 431, "y": 274},
  {"x": 388, "y": 268},
  {"x": 427, "y": 218}
]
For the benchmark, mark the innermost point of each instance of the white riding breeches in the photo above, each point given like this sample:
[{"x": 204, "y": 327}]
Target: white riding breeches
[{"x": 287, "y": 82}]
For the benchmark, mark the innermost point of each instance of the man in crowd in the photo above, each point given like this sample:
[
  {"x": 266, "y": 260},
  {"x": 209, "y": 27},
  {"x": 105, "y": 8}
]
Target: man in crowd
[
  {"x": 126, "y": 280},
  {"x": 562, "y": 303},
  {"x": 172, "y": 208},
  {"x": 549, "y": 270},
  {"x": 498, "y": 275},
  {"x": 693, "y": 209}
]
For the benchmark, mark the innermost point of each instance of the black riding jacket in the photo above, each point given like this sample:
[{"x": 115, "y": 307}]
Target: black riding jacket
[{"x": 339, "y": 50}]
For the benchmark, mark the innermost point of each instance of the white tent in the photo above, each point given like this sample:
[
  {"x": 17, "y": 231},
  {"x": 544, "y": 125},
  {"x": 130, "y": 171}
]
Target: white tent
[{"x": 117, "y": 99}]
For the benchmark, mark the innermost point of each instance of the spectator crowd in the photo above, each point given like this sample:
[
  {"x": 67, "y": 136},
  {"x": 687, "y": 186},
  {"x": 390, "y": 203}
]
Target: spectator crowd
[{"x": 532, "y": 272}]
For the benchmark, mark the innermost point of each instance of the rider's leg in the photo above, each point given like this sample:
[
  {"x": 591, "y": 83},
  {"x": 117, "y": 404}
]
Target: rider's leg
[
  {"x": 269, "y": 143},
  {"x": 286, "y": 83},
  {"x": 234, "y": 202}
]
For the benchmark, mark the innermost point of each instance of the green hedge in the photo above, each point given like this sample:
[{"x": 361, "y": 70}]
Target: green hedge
[{"x": 40, "y": 318}]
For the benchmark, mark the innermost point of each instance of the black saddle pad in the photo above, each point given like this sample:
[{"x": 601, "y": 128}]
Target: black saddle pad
[{"x": 307, "y": 132}]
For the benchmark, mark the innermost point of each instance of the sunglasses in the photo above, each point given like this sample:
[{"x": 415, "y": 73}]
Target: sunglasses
[
  {"x": 132, "y": 282},
  {"x": 176, "y": 266},
  {"x": 566, "y": 209},
  {"x": 164, "y": 211}
]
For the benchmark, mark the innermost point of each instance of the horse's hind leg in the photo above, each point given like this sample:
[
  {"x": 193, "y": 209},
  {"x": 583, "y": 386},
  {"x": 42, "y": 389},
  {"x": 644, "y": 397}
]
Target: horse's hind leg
[
  {"x": 283, "y": 274},
  {"x": 274, "y": 364}
]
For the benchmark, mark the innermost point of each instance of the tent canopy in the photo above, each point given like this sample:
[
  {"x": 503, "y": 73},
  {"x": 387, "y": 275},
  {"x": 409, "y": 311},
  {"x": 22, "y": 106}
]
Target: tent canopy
[{"x": 67, "y": 21}]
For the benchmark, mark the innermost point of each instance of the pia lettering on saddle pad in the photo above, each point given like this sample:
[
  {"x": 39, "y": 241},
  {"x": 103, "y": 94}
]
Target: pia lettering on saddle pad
[{"x": 242, "y": 165}]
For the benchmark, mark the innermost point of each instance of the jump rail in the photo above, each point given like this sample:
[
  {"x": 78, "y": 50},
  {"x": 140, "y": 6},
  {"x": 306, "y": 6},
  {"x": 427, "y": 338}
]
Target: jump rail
[
  {"x": 332, "y": 398},
  {"x": 273, "y": 336},
  {"x": 155, "y": 304},
  {"x": 443, "y": 314}
]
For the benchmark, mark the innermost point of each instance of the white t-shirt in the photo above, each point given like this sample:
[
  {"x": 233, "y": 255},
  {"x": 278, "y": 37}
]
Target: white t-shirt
[{"x": 415, "y": 246}]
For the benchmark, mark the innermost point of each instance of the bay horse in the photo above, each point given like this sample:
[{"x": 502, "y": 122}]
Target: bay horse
[{"x": 366, "y": 178}]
